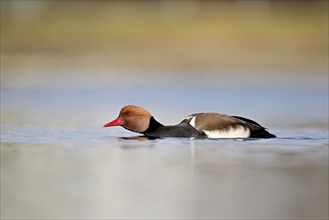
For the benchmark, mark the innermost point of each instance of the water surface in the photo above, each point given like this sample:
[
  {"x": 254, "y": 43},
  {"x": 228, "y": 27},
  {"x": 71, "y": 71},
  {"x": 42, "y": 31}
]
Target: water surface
[{"x": 58, "y": 162}]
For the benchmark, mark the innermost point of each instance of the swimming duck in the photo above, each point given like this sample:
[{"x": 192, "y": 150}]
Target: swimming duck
[{"x": 200, "y": 125}]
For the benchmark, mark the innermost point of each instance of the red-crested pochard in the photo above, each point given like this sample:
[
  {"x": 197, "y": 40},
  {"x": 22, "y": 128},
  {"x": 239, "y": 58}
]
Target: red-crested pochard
[{"x": 200, "y": 125}]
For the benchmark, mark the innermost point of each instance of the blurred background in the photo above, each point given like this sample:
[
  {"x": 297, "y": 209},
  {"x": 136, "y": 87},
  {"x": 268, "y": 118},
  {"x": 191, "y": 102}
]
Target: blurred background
[
  {"x": 163, "y": 48},
  {"x": 83, "y": 40},
  {"x": 67, "y": 67}
]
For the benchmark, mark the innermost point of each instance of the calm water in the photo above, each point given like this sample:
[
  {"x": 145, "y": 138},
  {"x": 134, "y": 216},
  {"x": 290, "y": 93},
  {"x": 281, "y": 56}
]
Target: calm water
[{"x": 58, "y": 162}]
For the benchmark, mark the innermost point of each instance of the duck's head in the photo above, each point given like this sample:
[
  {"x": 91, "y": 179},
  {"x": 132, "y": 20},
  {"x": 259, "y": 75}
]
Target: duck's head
[{"x": 132, "y": 118}]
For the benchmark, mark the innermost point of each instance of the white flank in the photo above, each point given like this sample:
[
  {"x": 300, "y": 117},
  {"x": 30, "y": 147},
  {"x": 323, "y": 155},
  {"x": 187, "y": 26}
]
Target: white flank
[{"x": 239, "y": 132}]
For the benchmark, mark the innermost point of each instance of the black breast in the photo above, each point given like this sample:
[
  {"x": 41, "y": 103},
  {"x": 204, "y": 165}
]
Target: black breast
[{"x": 184, "y": 129}]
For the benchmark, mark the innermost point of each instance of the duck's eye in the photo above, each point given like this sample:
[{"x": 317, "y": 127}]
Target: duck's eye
[{"x": 128, "y": 114}]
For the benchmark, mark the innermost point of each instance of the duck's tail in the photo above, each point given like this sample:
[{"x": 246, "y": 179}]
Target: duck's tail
[{"x": 261, "y": 133}]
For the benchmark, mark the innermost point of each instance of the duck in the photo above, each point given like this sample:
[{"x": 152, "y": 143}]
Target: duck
[{"x": 199, "y": 125}]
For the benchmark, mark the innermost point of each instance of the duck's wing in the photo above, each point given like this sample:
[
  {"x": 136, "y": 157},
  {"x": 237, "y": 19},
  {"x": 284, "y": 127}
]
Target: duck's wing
[
  {"x": 216, "y": 125},
  {"x": 248, "y": 121},
  {"x": 213, "y": 121}
]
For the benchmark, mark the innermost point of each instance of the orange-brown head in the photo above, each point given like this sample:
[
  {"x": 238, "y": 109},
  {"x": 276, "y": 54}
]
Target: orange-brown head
[{"x": 133, "y": 118}]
